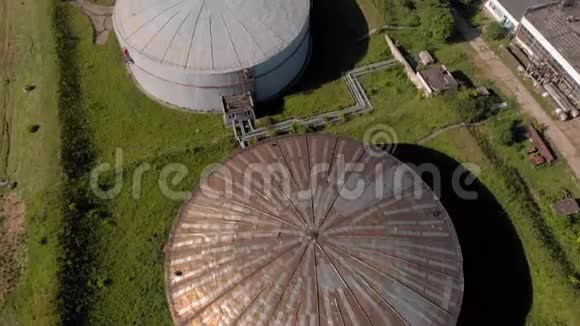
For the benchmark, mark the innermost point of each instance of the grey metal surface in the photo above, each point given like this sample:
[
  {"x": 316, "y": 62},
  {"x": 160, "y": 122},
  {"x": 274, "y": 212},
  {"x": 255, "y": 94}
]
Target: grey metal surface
[
  {"x": 300, "y": 251},
  {"x": 552, "y": 21},
  {"x": 211, "y": 35},
  {"x": 190, "y": 52},
  {"x": 517, "y": 8}
]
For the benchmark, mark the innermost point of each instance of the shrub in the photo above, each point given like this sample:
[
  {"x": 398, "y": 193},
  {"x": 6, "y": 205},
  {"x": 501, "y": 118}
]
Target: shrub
[
  {"x": 508, "y": 132},
  {"x": 472, "y": 108},
  {"x": 437, "y": 20},
  {"x": 297, "y": 128}
]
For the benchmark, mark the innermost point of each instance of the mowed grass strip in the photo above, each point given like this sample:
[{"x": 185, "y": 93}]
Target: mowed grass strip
[{"x": 33, "y": 159}]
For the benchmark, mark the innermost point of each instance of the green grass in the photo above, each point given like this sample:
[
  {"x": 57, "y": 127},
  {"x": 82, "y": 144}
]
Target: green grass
[
  {"x": 554, "y": 300},
  {"x": 121, "y": 117},
  {"x": 127, "y": 283},
  {"x": 398, "y": 105},
  {"x": 339, "y": 43},
  {"x": 373, "y": 13},
  {"x": 34, "y": 159},
  {"x": 546, "y": 184}
]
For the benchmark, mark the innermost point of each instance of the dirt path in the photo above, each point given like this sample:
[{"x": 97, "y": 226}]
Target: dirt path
[
  {"x": 12, "y": 248},
  {"x": 101, "y": 19},
  {"x": 509, "y": 83}
]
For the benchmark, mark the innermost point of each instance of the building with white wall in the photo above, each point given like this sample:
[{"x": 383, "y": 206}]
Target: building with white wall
[
  {"x": 510, "y": 12},
  {"x": 550, "y": 36}
]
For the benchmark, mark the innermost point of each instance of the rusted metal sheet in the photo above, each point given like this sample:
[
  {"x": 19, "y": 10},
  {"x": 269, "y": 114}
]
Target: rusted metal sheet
[{"x": 292, "y": 232}]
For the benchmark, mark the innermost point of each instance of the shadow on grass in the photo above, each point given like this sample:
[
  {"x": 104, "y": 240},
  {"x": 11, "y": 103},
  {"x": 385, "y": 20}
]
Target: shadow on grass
[
  {"x": 337, "y": 30},
  {"x": 497, "y": 278}
]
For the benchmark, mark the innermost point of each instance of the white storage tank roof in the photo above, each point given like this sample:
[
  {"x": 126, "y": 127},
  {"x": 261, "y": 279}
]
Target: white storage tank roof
[
  {"x": 176, "y": 41},
  {"x": 210, "y": 35}
]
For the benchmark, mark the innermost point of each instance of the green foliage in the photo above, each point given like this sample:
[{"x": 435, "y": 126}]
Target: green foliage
[
  {"x": 300, "y": 129},
  {"x": 436, "y": 19},
  {"x": 495, "y": 31},
  {"x": 554, "y": 300},
  {"x": 78, "y": 155},
  {"x": 400, "y": 12},
  {"x": 504, "y": 131},
  {"x": 471, "y": 108},
  {"x": 574, "y": 281}
]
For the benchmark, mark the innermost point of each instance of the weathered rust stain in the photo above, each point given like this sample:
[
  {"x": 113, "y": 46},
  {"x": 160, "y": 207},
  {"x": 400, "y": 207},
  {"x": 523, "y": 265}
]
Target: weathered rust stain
[{"x": 298, "y": 252}]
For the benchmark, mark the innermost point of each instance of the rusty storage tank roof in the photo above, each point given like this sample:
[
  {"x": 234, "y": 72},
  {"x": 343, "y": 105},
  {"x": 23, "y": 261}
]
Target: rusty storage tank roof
[{"x": 292, "y": 232}]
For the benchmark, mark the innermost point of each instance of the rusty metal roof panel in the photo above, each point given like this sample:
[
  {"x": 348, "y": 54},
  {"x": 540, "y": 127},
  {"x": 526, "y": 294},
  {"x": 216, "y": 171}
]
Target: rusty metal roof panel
[{"x": 290, "y": 231}]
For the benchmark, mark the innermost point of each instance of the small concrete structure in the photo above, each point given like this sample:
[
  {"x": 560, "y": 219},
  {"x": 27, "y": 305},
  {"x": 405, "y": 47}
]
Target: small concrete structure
[
  {"x": 566, "y": 207},
  {"x": 101, "y": 19},
  {"x": 426, "y": 58},
  {"x": 238, "y": 108},
  {"x": 437, "y": 80},
  {"x": 239, "y": 115}
]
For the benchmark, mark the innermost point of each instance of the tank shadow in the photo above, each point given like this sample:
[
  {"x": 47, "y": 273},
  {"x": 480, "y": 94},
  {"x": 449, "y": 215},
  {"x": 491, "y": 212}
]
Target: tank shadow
[
  {"x": 498, "y": 287},
  {"x": 337, "y": 30}
]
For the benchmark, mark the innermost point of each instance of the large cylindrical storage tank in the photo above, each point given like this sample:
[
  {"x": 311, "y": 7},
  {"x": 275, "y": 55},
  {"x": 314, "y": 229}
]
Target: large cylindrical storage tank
[
  {"x": 188, "y": 53},
  {"x": 313, "y": 230}
]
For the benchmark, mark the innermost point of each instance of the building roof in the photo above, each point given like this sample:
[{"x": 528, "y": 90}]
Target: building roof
[
  {"x": 439, "y": 78},
  {"x": 210, "y": 35},
  {"x": 561, "y": 27},
  {"x": 541, "y": 145},
  {"x": 517, "y": 8},
  {"x": 273, "y": 237}
]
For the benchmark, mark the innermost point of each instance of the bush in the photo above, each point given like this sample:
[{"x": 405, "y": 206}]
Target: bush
[
  {"x": 298, "y": 129},
  {"x": 437, "y": 20},
  {"x": 503, "y": 131},
  {"x": 495, "y": 31},
  {"x": 472, "y": 108}
]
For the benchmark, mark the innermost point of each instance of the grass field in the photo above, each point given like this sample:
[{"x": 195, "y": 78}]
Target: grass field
[
  {"x": 518, "y": 256},
  {"x": 32, "y": 159},
  {"x": 132, "y": 234},
  {"x": 125, "y": 264},
  {"x": 553, "y": 297}
]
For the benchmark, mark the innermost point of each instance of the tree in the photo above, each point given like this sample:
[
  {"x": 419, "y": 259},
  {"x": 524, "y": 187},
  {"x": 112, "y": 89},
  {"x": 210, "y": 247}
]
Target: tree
[
  {"x": 437, "y": 19},
  {"x": 495, "y": 31},
  {"x": 470, "y": 107}
]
